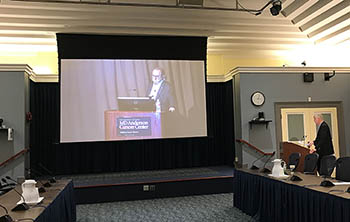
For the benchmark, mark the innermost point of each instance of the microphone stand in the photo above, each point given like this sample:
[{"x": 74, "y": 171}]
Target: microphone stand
[
  {"x": 265, "y": 170},
  {"x": 253, "y": 167},
  {"x": 52, "y": 179}
]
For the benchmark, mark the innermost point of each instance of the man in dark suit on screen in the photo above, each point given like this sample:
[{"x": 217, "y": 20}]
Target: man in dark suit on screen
[
  {"x": 161, "y": 91},
  {"x": 323, "y": 142},
  {"x": 162, "y": 94}
]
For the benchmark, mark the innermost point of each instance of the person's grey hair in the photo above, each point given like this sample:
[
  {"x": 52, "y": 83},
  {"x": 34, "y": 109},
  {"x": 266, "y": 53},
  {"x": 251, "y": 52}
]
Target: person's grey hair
[
  {"x": 161, "y": 72},
  {"x": 318, "y": 115}
]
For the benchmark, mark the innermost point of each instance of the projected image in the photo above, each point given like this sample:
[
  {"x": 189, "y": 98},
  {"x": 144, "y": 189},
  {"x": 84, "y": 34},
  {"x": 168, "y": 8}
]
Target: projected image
[{"x": 131, "y": 99}]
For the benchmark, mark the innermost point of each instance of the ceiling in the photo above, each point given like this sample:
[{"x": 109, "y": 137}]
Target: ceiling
[{"x": 231, "y": 30}]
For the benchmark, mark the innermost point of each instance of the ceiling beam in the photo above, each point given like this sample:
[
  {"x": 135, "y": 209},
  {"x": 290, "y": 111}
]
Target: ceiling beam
[
  {"x": 129, "y": 12},
  {"x": 246, "y": 53},
  {"x": 145, "y": 5},
  {"x": 311, "y": 10},
  {"x": 259, "y": 41},
  {"x": 151, "y": 31},
  {"x": 142, "y": 18},
  {"x": 335, "y": 9},
  {"x": 345, "y": 41},
  {"x": 27, "y": 43},
  {"x": 293, "y": 7},
  {"x": 329, "y": 25},
  {"x": 285, "y": 36},
  {"x": 329, "y": 36},
  {"x": 27, "y": 35},
  {"x": 104, "y": 25},
  {"x": 248, "y": 46}
]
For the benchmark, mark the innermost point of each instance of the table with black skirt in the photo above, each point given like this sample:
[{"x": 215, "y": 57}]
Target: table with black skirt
[{"x": 271, "y": 199}]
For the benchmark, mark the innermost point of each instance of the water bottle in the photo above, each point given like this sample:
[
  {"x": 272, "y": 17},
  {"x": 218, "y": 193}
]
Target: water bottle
[{"x": 158, "y": 106}]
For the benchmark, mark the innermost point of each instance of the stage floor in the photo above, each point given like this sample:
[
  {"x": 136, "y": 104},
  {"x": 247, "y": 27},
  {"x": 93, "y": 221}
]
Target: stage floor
[{"x": 154, "y": 176}]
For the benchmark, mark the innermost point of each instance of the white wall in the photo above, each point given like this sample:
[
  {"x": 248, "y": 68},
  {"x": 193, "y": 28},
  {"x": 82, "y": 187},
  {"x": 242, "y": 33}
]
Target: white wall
[{"x": 14, "y": 103}]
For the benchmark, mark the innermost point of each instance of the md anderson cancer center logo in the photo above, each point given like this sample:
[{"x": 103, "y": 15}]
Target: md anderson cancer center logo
[{"x": 131, "y": 126}]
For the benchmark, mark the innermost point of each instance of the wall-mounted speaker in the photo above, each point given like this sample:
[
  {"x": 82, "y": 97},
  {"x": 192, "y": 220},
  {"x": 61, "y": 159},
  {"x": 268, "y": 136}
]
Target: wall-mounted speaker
[{"x": 308, "y": 77}]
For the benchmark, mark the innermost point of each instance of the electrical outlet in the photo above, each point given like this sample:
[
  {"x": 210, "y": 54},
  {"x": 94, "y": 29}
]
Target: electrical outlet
[
  {"x": 145, "y": 187},
  {"x": 152, "y": 187},
  {"x": 10, "y": 134}
]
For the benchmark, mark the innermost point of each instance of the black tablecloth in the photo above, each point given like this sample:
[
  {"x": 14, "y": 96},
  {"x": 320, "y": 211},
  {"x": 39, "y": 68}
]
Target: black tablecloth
[
  {"x": 268, "y": 199},
  {"x": 62, "y": 208}
]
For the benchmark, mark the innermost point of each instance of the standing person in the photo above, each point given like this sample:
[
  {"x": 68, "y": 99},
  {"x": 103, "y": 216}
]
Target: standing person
[
  {"x": 161, "y": 91},
  {"x": 323, "y": 142},
  {"x": 162, "y": 94}
]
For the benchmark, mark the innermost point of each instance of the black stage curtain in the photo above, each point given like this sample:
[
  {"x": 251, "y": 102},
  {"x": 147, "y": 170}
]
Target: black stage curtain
[
  {"x": 80, "y": 46},
  {"x": 156, "y": 154}
]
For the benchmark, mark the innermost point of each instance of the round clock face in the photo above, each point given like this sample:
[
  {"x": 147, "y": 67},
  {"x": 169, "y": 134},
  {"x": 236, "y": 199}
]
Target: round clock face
[{"x": 258, "y": 98}]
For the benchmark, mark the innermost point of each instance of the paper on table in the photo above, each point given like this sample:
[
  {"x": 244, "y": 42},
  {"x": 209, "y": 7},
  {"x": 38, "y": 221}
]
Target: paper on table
[{"x": 341, "y": 183}]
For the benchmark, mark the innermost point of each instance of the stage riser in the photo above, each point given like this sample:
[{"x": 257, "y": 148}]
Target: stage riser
[{"x": 122, "y": 192}]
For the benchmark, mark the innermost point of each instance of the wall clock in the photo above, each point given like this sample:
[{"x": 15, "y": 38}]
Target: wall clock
[{"x": 258, "y": 98}]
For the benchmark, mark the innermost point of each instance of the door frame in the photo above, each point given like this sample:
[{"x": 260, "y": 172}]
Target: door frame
[{"x": 340, "y": 118}]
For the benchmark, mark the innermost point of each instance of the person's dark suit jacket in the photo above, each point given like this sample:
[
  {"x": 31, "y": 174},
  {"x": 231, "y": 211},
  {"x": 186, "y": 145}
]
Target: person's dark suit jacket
[
  {"x": 323, "y": 141},
  {"x": 165, "y": 96}
]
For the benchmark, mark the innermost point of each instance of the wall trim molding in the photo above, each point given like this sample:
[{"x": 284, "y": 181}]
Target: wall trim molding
[
  {"x": 287, "y": 70},
  {"x": 29, "y": 71},
  {"x": 219, "y": 78},
  {"x": 17, "y": 68},
  {"x": 273, "y": 70},
  {"x": 210, "y": 78},
  {"x": 45, "y": 78}
]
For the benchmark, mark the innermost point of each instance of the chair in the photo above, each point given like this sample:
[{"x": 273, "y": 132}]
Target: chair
[
  {"x": 327, "y": 165},
  {"x": 293, "y": 160},
  {"x": 342, "y": 169},
  {"x": 310, "y": 163}
]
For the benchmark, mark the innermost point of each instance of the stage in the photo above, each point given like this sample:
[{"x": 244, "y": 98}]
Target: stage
[{"x": 136, "y": 185}]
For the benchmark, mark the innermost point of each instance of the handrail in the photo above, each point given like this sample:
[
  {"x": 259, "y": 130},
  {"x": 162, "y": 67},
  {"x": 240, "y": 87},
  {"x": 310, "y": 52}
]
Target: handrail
[
  {"x": 14, "y": 157},
  {"x": 255, "y": 148}
]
